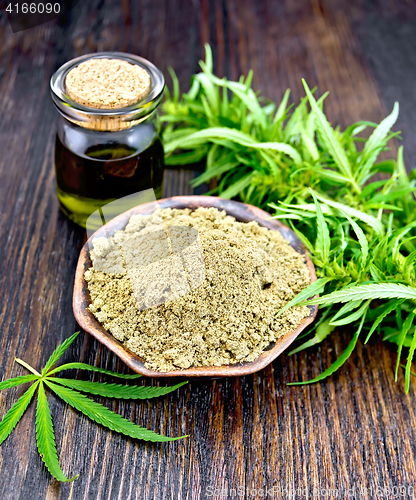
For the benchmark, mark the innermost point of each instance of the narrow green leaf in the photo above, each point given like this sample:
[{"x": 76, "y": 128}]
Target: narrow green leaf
[
  {"x": 383, "y": 206},
  {"x": 370, "y": 291},
  {"x": 212, "y": 134},
  {"x": 225, "y": 103},
  {"x": 116, "y": 390},
  {"x": 281, "y": 110},
  {"x": 246, "y": 95},
  {"x": 330, "y": 174},
  {"x": 294, "y": 217},
  {"x": 403, "y": 177},
  {"x": 405, "y": 329},
  {"x": 352, "y": 317},
  {"x": 409, "y": 361},
  {"x": 305, "y": 209},
  {"x": 411, "y": 373},
  {"x": 179, "y": 133},
  {"x": 58, "y": 352},
  {"x": 375, "y": 312},
  {"x": 376, "y": 274},
  {"x": 13, "y": 382},
  {"x": 211, "y": 91},
  {"x": 343, "y": 239},
  {"x": 175, "y": 82},
  {"x": 186, "y": 158},
  {"x": 300, "y": 235},
  {"x": 213, "y": 153},
  {"x": 346, "y": 308},
  {"x": 361, "y": 238},
  {"x": 391, "y": 196},
  {"x": 323, "y": 242},
  {"x": 309, "y": 143},
  {"x": 215, "y": 171},
  {"x": 340, "y": 361},
  {"x": 45, "y": 437},
  {"x": 398, "y": 235},
  {"x": 330, "y": 139},
  {"x": 410, "y": 259},
  {"x": 310, "y": 125},
  {"x": 211, "y": 115},
  {"x": 371, "y": 188},
  {"x": 236, "y": 188},
  {"x": 15, "y": 413},
  {"x": 373, "y": 222},
  {"x": 377, "y": 140},
  {"x": 191, "y": 95},
  {"x": 314, "y": 288},
  {"x": 104, "y": 416},
  {"x": 392, "y": 335},
  {"x": 356, "y": 128},
  {"x": 381, "y": 317},
  {"x": 291, "y": 130},
  {"x": 209, "y": 63},
  {"x": 84, "y": 366},
  {"x": 399, "y": 320},
  {"x": 386, "y": 167},
  {"x": 322, "y": 331}
]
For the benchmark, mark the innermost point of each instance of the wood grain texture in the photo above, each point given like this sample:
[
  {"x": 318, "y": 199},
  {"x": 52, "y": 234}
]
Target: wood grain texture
[{"x": 356, "y": 429}]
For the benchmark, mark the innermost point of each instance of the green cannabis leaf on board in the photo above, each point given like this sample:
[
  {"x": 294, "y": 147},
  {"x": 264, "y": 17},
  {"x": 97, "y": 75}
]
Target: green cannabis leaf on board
[
  {"x": 325, "y": 184},
  {"x": 67, "y": 389}
]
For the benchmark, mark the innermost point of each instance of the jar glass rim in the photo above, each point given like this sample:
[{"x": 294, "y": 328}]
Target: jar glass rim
[{"x": 74, "y": 111}]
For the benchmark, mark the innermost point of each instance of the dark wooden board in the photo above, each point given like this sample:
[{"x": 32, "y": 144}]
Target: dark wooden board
[{"x": 354, "y": 430}]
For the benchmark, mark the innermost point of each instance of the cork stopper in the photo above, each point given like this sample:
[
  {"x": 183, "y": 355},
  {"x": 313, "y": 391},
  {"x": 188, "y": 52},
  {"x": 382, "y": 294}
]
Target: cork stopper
[{"x": 107, "y": 83}]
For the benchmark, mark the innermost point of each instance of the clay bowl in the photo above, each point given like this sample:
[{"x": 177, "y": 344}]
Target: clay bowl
[{"x": 241, "y": 212}]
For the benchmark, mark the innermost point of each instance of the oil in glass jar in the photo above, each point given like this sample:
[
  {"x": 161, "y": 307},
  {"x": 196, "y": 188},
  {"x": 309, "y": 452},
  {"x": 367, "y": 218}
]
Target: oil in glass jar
[{"x": 108, "y": 143}]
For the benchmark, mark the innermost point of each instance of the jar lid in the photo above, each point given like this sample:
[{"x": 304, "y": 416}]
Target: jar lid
[{"x": 107, "y": 91}]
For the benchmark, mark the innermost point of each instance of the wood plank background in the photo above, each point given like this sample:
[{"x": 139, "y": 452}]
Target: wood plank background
[{"x": 354, "y": 430}]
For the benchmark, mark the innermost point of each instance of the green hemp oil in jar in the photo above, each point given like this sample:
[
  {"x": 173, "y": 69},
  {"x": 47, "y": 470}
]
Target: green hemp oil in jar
[{"x": 108, "y": 143}]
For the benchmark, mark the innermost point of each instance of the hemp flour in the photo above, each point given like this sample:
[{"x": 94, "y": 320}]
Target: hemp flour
[{"x": 184, "y": 288}]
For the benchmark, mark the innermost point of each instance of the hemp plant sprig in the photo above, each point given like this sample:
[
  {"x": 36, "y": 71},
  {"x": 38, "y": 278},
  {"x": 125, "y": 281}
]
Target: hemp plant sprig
[
  {"x": 67, "y": 389},
  {"x": 354, "y": 212}
]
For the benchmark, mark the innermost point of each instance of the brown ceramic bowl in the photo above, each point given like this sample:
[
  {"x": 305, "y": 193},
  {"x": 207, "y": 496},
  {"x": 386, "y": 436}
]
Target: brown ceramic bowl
[{"x": 241, "y": 212}]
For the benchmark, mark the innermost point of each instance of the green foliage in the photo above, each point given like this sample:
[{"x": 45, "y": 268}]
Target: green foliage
[
  {"x": 117, "y": 390},
  {"x": 58, "y": 352},
  {"x": 13, "y": 416},
  {"x": 45, "y": 436},
  {"x": 103, "y": 416},
  {"x": 84, "y": 366},
  {"x": 319, "y": 180},
  {"x": 340, "y": 361},
  {"x": 14, "y": 382}
]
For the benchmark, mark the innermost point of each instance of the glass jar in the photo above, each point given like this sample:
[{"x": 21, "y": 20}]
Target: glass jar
[{"x": 102, "y": 155}]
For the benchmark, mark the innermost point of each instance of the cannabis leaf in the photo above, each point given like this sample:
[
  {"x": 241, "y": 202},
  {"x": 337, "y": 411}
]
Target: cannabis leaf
[
  {"x": 370, "y": 291},
  {"x": 65, "y": 389},
  {"x": 45, "y": 437}
]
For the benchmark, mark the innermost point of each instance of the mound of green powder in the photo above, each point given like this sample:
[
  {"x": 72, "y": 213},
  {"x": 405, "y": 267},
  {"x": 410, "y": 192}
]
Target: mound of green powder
[{"x": 184, "y": 288}]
